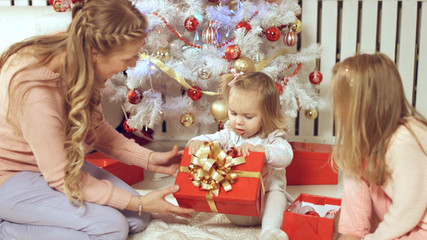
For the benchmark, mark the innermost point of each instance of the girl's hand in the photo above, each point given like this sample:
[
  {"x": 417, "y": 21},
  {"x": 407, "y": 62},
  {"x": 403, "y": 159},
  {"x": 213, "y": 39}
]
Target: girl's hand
[
  {"x": 246, "y": 147},
  {"x": 165, "y": 162},
  {"x": 155, "y": 202},
  {"x": 193, "y": 146}
]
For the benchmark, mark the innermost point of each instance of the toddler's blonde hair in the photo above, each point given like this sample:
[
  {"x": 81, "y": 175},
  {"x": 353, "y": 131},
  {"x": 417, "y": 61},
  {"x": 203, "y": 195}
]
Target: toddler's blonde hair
[{"x": 272, "y": 116}]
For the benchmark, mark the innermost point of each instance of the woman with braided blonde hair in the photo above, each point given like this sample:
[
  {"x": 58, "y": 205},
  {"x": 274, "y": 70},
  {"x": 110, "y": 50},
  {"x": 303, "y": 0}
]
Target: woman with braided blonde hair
[{"x": 50, "y": 117}]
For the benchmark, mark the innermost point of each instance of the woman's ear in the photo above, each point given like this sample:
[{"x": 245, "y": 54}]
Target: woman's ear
[{"x": 95, "y": 55}]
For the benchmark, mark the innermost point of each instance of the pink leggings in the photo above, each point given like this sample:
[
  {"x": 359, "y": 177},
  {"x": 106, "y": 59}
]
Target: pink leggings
[{"x": 363, "y": 207}]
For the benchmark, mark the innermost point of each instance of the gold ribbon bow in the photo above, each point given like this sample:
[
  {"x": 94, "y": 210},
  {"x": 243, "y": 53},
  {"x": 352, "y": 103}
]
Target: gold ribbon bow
[{"x": 211, "y": 168}]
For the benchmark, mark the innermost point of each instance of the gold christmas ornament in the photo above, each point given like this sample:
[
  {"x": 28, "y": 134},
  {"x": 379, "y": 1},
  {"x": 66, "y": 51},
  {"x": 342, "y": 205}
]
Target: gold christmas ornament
[
  {"x": 187, "y": 119},
  {"x": 244, "y": 64},
  {"x": 296, "y": 26},
  {"x": 219, "y": 110},
  {"x": 163, "y": 54},
  {"x": 311, "y": 113}
]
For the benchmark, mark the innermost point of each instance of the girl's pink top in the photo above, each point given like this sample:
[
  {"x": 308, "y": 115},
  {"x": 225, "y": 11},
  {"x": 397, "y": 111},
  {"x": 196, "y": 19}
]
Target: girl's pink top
[{"x": 406, "y": 188}]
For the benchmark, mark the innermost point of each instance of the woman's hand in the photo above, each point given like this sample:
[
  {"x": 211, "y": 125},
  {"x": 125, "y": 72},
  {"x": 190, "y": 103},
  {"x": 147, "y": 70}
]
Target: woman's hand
[
  {"x": 194, "y": 145},
  {"x": 349, "y": 237},
  {"x": 155, "y": 202},
  {"x": 165, "y": 162},
  {"x": 246, "y": 147}
]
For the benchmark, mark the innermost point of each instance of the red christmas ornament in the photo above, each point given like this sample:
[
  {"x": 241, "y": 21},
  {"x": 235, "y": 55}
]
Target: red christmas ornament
[
  {"x": 210, "y": 35},
  {"x": 232, "y": 52},
  {"x": 312, "y": 213},
  {"x": 279, "y": 87},
  {"x": 290, "y": 38},
  {"x": 191, "y": 23},
  {"x": 305, "y": 209},
  {"x": 61, "y": 5},
  {"x": 315, "y": 77},
  {"x": 244, "y": 24},
  {"x": 57, "y": 5},
  {"x": 273, "y": 34},
  {"x": 73, "y": 1},
  {"x": 127, "y": 128},
  {"x": 195, "y": 93},
  {"x": 134, "y": 96},
  {"x": 331, "y": 213}
]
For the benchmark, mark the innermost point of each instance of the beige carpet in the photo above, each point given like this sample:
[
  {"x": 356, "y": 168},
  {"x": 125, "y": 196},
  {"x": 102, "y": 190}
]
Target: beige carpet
[{"x": 203, "y": 226}]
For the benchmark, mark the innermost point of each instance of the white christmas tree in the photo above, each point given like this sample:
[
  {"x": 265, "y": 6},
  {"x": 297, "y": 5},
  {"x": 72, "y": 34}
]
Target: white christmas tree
[{"x": 190, "y": 43}]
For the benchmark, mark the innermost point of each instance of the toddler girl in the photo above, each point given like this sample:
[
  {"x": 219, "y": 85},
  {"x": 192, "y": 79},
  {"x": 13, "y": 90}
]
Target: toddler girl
[{"x": 257, "y": 124}]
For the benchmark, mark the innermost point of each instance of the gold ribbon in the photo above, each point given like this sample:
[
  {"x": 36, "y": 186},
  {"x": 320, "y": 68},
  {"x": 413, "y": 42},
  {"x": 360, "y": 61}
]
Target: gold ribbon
[
  {"x": 210, "y": 168},
  {"x": 252, "y": 175},
  {"x": 267, "y": 61},
  {"x": 172, "y": 73}
]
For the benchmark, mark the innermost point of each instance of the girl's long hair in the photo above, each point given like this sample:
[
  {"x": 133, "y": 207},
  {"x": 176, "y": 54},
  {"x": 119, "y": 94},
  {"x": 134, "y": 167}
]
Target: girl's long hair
[{"x": 369, "y": 106}]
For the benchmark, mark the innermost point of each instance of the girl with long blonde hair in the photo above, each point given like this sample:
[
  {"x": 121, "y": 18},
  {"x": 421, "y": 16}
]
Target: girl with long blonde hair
[
  {"x": 381, "y": 148},
  {"x": 50, "y": 118}
]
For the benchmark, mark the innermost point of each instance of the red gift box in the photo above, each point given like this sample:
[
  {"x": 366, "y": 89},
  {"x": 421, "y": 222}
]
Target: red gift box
[
  {"x": 128, "y": 173},
  {"x": 302, "y": 227},
  {"x": 244, "y": 198},
  {"x": 311, "y": 165}
]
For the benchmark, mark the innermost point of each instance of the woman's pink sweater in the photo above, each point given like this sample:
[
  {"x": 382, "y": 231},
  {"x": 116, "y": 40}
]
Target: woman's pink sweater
[{"x": 36, "y": 143}]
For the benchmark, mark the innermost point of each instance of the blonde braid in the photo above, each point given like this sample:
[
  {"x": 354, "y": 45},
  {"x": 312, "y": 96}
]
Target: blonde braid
[
  {"x": 80, "y": 86},
  {"x": 97, "y": 26}
]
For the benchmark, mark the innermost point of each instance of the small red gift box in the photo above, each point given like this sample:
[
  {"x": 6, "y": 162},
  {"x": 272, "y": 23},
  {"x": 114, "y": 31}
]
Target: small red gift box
[
  {"x": 310, "y": 165},
  {"x": 244, "y": 198},
  {"x": 302, "y": 227},
  {"x": 128, "y": 173}
]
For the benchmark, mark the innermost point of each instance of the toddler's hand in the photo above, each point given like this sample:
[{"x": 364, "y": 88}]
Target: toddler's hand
[
  {"x": 246, "y": 147},
  {"x": 193, "y": 146}
]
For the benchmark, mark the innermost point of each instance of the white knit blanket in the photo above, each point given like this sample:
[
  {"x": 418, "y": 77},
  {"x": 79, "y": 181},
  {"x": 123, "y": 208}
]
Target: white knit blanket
[{"x": 203, "y": 226}]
